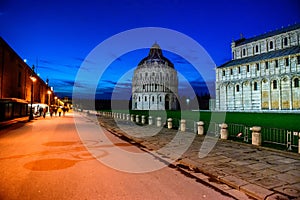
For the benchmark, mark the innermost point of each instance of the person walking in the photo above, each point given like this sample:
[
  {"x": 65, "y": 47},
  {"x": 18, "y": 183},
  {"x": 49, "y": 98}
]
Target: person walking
[
  {"x": 45, "y": 110},
  {"x": 51, "y": 111},
  {"x": 59, "y": 110}
]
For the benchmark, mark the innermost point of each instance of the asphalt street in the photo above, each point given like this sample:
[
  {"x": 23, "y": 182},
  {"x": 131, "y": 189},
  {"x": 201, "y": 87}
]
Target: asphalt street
[{"x": 47, "y": 159}]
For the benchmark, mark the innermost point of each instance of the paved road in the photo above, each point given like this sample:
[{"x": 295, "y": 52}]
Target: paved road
[{"x": 46, "y": 159}]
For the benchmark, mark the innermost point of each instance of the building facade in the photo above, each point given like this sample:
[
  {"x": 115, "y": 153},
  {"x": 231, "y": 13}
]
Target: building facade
[
  {"x": 263, "y": 74},
  {"x": 155, "y": 83},
  {"x": 16, "y": 85}
]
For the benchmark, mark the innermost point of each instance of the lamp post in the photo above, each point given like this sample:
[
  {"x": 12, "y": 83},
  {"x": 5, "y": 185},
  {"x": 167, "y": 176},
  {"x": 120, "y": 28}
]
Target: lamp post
[
  {"x": 55, "y": 101},
  {"x": 49, "y": 93},
  {"x": 187, "y": 103},
  {"x": 33, "y": 79}
]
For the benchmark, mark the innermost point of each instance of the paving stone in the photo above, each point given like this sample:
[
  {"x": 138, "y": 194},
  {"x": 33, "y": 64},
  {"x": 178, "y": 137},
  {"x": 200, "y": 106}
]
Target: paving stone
[
  {"x": 287, "y": 160},
  {"x": 290, "y": 190},
  {"x": 277, "y": 196},
  {"x": 268, "y": 182},
  {"x": 259, "y": 166},
  {"x": 288, "y": 178},
  {"x": 256, "y": 191},
  {"x": 294, "y": 172},
  {"x": 233, "y": 181},
  {"x": 284, "y": 168}
]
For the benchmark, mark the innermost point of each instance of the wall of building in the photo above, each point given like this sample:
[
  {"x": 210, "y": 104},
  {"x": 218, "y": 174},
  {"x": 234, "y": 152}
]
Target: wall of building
[
  {"x": 270, "y": 83},
  {"x": 15, "y": 84}
]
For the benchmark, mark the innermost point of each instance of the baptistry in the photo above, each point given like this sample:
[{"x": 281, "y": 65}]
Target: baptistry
[{"x": 155, "y": 83}]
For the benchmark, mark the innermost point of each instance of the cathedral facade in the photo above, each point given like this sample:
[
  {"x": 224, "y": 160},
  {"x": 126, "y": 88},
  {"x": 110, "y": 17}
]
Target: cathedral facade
[
  {"x": 263, "y": 74},
  {"x": 155, "y": 83}
]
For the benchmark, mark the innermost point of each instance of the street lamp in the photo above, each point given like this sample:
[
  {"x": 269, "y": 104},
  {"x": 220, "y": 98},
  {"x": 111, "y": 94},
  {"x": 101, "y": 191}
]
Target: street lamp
[
  {"x": 187, "y": 103},
  {"x": 33, "y": 79},
  {"x": 55, "y": 101},
  {"x": 49, "y": 93}
]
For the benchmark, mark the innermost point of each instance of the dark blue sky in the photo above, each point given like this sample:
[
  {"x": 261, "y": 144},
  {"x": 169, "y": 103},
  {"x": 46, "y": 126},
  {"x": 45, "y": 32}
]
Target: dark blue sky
[{"x": 58, "y": 35}]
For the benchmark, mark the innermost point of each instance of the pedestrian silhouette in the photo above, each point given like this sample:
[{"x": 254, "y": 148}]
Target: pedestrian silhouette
[{"x": 59, "y": 110}]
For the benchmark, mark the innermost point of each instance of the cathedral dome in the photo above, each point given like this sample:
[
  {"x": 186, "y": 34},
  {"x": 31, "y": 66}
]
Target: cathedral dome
[{"x": 155, "y": 55}]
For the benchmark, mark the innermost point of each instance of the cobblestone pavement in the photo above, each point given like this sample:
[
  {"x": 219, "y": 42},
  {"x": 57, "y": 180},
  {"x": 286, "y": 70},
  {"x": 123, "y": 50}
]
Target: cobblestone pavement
[{"x": 259, "y": 172}]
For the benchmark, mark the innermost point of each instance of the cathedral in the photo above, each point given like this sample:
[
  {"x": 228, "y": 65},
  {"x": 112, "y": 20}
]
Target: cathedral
[
  {"x": 263, "y": 74},
  {"x": 155, "y": 83}
]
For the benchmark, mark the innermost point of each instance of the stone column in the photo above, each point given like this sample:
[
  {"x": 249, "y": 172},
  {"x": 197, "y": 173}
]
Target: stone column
[
  {"x": 124, "y": 116},
  {"x": 132, "y": 117},
  {"x": 170, "y": 124},
  {"x": 224, "y": 131},
  {"x": 143, "y": 119},
  {"x": 256, "y": 135},
  {"x": 150, "y": 121},
  {"x": 137, "y": 119},
  {"x": 200, "y": 127},
  {"x": 182, "y": 125},
  {"x": 158, "y": 121},
  {"x": 128, "y": 117}
]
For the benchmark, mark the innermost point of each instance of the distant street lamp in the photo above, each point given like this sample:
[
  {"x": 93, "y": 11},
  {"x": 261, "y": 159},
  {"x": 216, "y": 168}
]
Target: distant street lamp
[
  {"x": 33, "y": 79},
  {"x": 187, "y": 103},
  {"x": 49, "y": 93},
  {"x": 55, "y": 101}
]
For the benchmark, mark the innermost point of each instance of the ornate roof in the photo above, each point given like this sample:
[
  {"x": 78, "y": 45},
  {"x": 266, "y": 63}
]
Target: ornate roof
[
  {"x": 155, "y": 55},
  {"x": 264, "y": 56}
]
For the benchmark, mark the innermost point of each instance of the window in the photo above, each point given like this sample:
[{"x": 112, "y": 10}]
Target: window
[
  {"x": 286, "y": 61},
  {"x": 298, "y": 60},
  {"x": 143, "y": 87},
  {"x": 244, "y": 52},
  {"x": 248, "y": 68},
  {"x": 255, "y": 86},
  {"x": 237, "y": 88},
  {"x": 233, "y": 55},
  {"x": 271, "y": 45},
  {"x": 274, "y": 84},
  {"x": 139, "y": 98},
  {"x": 145, "y": 98},
  {"x": 276, "y": 63},
  {"x": 285, "y": 41},
  {"x": 257, "y": 66},
  {"x": 231, "y": 72},
  {"x": 296, "y": 82},
  {"x": 152, "y": 98},
  {"x": 223, "y": 72},
  {"x": 19, "y": 79},
  {"x": 160, "y": 98},
  {"x": 267, "y": 64},
  {"x": 239, "y": 69},
  {"x": 256, "y": 49}
]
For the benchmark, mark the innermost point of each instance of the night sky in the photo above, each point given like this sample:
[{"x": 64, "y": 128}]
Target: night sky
[{"x": 57, "y": 36}]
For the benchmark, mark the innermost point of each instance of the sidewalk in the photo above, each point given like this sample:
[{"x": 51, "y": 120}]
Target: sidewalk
[{"x": 259, "y": 172}]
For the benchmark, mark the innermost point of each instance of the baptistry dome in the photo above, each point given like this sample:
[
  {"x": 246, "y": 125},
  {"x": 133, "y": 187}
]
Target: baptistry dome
[{"x": 155, "y": 83}]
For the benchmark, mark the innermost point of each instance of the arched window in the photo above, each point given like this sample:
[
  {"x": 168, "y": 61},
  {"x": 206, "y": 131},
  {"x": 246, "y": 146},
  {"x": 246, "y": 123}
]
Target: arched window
[
  {"x": 237, "y": 88},
  {"x": 145, "y": 98},
  {"x": 274, "y": 84},
  {"x": 296, "y": 82},
  {"x": 153, "y": 98},
  {"x": 244, "y": 52},
  {"x": 255, "y": 86},
  {"x": 271, "y": 45}
]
